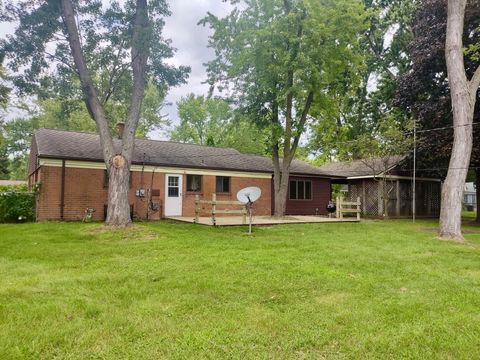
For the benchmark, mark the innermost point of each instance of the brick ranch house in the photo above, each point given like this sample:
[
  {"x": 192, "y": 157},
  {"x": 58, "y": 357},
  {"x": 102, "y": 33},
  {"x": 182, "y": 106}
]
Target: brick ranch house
[{"x": 165, "y": 177}]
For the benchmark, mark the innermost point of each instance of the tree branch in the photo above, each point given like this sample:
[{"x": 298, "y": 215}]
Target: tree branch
[
  {"x": 301, "y": 123},
  {"x": 275, "y": 145},
  {"x": 140, "y": 52},
  {"x": 91, "y": 99},
  {"x": 63, "y": 61},
  {"x": 475, "y": 82},
  {"x": 111, "y": 82}
]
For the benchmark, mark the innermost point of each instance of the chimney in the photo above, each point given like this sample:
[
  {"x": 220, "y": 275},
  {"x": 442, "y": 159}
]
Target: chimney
[{"x": 120, "y": 127}]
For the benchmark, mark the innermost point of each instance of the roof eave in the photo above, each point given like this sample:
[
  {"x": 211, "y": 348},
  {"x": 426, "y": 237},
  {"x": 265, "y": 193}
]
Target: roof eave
[{"x": 45, "y": 156}]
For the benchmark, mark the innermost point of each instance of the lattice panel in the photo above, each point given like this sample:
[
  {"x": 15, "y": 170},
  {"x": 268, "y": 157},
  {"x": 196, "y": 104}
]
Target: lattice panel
[
  {"x": 391, "y": 193},
  {"x": 354, "y": 191},
  {"x": 371, "y": 198},
  {"x": 428, "y": 196},
  {"x": 405, "y": 198},
  {"x": 436, "y": 193}
]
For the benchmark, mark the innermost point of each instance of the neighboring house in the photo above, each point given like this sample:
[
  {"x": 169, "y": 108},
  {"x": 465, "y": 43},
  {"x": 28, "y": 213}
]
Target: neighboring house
[
  {"x": 374, "y": 180},
  {"x": 165, "y": 177},
  {"x": 470, "y": 197}
]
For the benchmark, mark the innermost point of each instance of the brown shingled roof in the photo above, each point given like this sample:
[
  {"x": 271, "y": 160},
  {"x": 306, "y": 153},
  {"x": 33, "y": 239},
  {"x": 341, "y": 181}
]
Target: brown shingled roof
[
  {"x": 366, "y": 167},
  {"x": 60, "y": 144}
]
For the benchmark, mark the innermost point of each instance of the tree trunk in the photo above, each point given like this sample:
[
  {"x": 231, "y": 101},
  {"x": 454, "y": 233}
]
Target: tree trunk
[
  {"x": 453, "y": 187},
  {"x": 118, "y": 213},
  {"x": 463, "y": 102},
  {"x": 280, "y": 181},
  {"x": 118, "y": 165},
  {"x": 477, "y": 188}
]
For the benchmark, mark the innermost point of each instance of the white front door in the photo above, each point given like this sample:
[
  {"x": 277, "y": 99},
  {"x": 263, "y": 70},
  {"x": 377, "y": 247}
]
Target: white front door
[{"x": 173, "y": 195}]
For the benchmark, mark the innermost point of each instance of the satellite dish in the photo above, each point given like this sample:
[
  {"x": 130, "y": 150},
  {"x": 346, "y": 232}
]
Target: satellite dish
[{"x": 249, "y": 194}]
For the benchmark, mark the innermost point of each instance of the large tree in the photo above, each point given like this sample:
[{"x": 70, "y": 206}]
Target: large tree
[
  {"x": 279, "y": 59},
  {"x": 424, "y": 92},
  {"x": 463, "y": 93},
  {"x": 359, "y": 105},
  {"x": 105, "y": 46}
]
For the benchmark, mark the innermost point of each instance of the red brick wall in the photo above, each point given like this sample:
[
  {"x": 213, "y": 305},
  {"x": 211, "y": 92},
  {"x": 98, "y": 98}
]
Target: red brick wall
[
  {"x": 85, "y": 188},
  {"x": 321, "y": 194},
  {"x": 261, "y": 207},
  {"x": 48, "y": 198}
]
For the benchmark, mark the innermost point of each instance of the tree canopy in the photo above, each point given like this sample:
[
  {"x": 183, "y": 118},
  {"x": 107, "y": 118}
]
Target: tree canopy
[
  {"x": 42, "y": 66},
  {"x": 424, "y": 91},
  {"x": 359, "y": 108},
  {"x": 213, "y": 121},
  {"x": 280, "y": 61}
]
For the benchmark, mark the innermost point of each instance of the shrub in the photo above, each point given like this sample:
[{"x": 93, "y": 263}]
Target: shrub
[{"x": 17, "y": 204}]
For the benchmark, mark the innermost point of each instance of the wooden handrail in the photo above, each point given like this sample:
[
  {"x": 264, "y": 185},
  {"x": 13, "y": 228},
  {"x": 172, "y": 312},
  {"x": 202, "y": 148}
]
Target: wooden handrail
[
  {"x": 214, "y": 211},
  {"x": 343, "y": 207}
]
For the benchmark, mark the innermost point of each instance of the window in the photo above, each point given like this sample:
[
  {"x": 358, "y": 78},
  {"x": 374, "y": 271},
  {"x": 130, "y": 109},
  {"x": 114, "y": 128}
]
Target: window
[
  {"x": 300, "y": 190},
  {"x": 223, "y": 184},
  {"x": 173, "y": 186},
  {"x": 194, "y": 183}
]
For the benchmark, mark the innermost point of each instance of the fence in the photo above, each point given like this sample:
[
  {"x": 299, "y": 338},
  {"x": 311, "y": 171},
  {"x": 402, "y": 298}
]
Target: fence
[
  {"x": 214, "y": 211},
  {"x": 344, "y": 207}
]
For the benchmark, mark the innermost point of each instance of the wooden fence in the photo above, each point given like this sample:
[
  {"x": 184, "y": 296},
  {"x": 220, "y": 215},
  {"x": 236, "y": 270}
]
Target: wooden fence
[
  {"x": 214, "y": 211},
  {"x": 344, "y": 207}
]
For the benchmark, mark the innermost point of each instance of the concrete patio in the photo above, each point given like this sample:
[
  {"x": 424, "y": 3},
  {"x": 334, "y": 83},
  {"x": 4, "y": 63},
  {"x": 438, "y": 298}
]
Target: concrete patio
[{"x": 262, "y": 220}]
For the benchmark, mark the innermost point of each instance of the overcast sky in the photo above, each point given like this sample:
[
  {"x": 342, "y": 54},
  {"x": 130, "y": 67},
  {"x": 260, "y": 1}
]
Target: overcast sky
[{"x": 189, "y": 39}]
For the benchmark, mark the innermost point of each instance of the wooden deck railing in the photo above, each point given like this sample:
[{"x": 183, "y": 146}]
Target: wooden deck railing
[
  {"x": 214, "y": 211},
  {"x": 344, "y": 207}
]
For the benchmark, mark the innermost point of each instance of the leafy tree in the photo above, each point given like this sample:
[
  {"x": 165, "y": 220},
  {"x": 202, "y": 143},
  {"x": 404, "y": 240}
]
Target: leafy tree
[
  {"x": 360, "y": 104},
  {"x": 425, "y": 91},
  {"x": 4, "y": 88},
  {"x": 279, "y": 59},
  {"x": 212, "y": 121},
  {"x": 202, "y": 120},
  {"x": 103, "y": 54},
  {"x": 4, "y": 172}
]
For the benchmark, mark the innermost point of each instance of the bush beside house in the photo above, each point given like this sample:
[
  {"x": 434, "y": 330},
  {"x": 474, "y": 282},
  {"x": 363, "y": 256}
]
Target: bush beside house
[{"x": 17, "y": 204}]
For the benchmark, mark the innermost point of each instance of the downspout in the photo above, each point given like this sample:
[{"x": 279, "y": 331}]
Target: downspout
[
  {"x": 62, "y": 192},
  {"x": 272, "y": 196}
]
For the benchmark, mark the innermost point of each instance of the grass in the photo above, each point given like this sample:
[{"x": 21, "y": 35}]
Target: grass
[
  {"x": 177, "y": 291},
  {"x": 469, "y": 215}
]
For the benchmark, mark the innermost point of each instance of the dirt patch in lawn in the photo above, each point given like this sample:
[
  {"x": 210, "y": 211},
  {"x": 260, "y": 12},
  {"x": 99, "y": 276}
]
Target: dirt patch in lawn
[{"x": 132, "y": 232}]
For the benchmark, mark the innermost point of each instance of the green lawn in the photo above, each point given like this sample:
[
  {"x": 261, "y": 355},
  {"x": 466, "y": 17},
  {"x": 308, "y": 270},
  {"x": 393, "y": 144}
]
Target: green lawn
[
  {"x": 161, "y": 290},
  {"x": 469, "y": 215}
]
